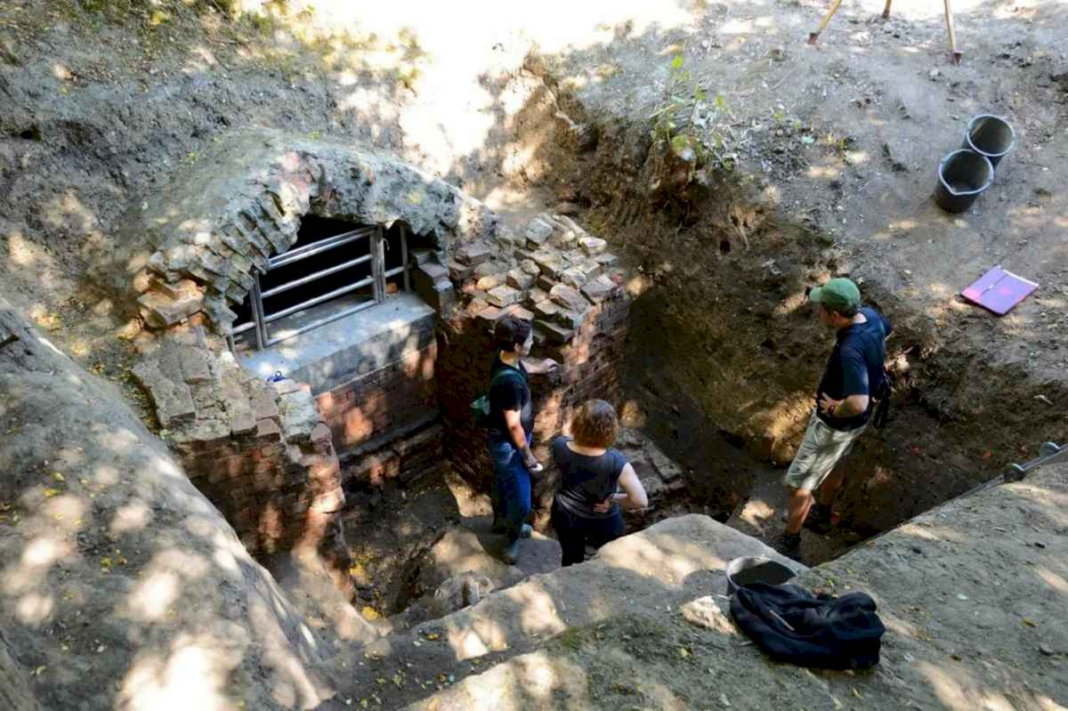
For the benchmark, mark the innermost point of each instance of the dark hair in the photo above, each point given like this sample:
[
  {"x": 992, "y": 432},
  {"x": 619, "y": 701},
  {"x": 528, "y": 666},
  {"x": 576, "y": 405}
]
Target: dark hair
[
  {"x": 847, "y": 312},
  {"x": 594, "y": 424},
  {"x": 511, "y": 332}
]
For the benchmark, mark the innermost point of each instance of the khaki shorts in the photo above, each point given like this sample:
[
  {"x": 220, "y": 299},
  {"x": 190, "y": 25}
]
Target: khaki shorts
[{"x": 820, "y": 450}]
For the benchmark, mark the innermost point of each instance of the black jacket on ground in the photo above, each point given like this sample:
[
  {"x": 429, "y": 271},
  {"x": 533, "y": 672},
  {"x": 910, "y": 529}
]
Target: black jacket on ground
[{"x": 828, "y": 632}]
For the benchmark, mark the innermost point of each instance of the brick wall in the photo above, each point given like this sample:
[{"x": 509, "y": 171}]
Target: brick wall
[
  {"x": 392, "y": 398},
  {"x": 259, "y": 452},
  {"x": 590, "y": 365}
]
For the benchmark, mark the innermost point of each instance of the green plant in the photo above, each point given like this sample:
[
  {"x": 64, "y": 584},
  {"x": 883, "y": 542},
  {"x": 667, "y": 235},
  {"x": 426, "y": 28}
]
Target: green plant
[{"x": 688, "y": 123}]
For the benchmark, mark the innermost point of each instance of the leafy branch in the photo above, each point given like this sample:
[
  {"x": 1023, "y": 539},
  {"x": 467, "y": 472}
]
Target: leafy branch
[{"x": 688, "y": 123}]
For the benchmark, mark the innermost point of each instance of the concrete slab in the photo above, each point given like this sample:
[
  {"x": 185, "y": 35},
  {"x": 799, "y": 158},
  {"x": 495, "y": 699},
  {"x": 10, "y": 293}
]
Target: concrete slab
[{"x": 355, "y": 345}]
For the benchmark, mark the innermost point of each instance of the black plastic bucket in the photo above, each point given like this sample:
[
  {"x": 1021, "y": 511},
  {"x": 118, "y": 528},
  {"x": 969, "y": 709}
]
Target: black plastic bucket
[
  {"x": 756, "y": 569},
  {"x": 991, "y": 136},
  {"x": 963, "y": 175}
]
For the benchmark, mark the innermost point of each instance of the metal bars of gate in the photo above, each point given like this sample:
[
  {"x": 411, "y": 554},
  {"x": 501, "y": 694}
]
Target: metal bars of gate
[{"x": 261, "y": 319}]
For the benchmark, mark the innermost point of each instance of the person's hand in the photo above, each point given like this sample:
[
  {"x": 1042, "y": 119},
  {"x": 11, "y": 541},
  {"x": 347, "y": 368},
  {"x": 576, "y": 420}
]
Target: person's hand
[
  {"x": 605, "y": 506},
  {"x": 828, "y": 404},
  {"x": 532, "y": 464},
  {"x": 550, "y": 365}
]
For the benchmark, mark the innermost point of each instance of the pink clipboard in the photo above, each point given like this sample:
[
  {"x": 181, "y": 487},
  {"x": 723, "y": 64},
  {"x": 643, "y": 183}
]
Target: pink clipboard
[{"x": 999, "y": 290}]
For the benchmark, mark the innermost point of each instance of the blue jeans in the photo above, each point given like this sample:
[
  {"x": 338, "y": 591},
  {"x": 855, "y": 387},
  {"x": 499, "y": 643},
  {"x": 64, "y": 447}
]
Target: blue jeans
[{"x": 511, "y": 486}]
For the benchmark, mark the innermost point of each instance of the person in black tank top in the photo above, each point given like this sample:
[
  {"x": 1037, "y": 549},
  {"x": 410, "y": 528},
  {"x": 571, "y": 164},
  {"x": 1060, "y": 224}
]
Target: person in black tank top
[{"x": 587, "y": 508}]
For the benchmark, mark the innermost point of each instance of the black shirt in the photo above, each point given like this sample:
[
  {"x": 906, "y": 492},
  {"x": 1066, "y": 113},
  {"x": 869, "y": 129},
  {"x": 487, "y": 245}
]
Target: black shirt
[
  {"x": 855, "y": 367},
  {"x": 510, "y": 392},
  {"x": 586, "y": 480}
]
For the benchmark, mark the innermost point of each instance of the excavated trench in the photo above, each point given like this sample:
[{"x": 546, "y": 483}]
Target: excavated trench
[{"x": 724, "y": 352}]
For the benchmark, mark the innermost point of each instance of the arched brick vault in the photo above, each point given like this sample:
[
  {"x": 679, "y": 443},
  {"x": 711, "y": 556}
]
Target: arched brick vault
[{"x": 192, "y": 247}]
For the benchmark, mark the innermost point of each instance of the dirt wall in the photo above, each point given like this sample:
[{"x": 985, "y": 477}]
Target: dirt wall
[{"x": 722, "y": 340}]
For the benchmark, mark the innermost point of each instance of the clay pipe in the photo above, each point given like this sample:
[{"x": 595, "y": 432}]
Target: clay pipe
[
  {"x": 952, "y": 36},
  {"x": 813, "y": 36}
]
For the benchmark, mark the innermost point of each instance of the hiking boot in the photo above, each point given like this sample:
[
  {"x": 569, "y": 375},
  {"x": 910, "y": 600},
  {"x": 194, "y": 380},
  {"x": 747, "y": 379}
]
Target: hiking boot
[
  {"x": 819, "y": 519},
  {"x": 510, "y": 554},
  {"x": 526, "y": 531},
  {"x": 789, "y": 546}
]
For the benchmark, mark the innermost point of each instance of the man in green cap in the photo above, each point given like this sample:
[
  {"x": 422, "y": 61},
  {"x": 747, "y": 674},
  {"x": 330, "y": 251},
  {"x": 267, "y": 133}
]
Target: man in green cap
[{"x": 854, "y": 377}]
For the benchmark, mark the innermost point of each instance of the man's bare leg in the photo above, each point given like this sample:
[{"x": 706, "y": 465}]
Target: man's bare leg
[
  {"x": 829, "y": 487},
  {"x": 797, "y": 506}
]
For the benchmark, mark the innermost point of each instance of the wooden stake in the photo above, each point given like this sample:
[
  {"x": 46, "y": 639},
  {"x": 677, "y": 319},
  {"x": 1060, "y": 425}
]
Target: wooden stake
[
  {"x": 886, "y": 10},
  {"x": 813, "y": 36},
  {"x": 952, "y": 36}
]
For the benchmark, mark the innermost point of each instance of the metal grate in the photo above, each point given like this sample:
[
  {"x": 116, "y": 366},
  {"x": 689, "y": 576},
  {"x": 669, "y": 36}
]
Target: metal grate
[{"x": 263, "y": 317}]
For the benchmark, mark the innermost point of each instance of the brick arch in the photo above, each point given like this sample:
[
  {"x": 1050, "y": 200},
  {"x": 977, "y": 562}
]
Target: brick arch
[{"x": 192, "y": 248}]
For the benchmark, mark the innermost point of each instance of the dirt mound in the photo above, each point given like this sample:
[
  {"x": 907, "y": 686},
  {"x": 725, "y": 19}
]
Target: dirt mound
[
  {"x": 971, "y": 595},
  {"x": 123, "y": 587}
]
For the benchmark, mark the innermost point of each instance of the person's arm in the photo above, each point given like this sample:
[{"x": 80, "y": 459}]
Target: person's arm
[
  {"x": 539, "y": 366},
  {"x": 513, "y": 418},
  {"x": 633, "y": 496},
  {"x": 855, "y": 383}
]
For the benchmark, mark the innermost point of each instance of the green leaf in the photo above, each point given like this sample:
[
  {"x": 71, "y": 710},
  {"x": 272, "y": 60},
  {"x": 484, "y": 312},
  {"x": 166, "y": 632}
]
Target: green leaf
[
  {"x": 699, "y": 94},
  {"x": 680, "y": 143},
  {"x": 721, "y": 103},
  {"x": 676, "y": 62}
]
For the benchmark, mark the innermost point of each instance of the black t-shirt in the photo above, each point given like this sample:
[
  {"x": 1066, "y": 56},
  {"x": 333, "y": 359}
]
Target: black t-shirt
[
  {"x": 855, "y": 367},
  {"x": 586, "y": 480},
  {"x": 510, "y": 392}
]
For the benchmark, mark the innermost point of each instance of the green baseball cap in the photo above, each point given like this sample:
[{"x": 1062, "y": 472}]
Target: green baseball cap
[{"x": 837, "y": 295}]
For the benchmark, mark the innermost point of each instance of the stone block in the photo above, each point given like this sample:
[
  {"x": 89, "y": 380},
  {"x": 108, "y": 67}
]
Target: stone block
[
  {"x": 434, "y": 271},
  {"x": 546, "y": 309},
  {"x": 531, "y": 267},
  {"x": 545, "y": 283},
  {"x": 569, "y": 298},
  {"x": 264, "y": 407},
  {"x": 489, "y": 315},
  {"x": 519, "y": 279},
  {"x": 242, "y": 423},
  {"x": 550, "y": 263},
  {"x": 299, "y": 415},
  {"x": 459, "y": 271},
  {"x": 182, "y": 289},
  {"x": 554, "y": 332},
  {"x": 488, "y": 268},
  {"x": 599, "y": 289},
  {"x": 268, "y": 430},
  {"x": 195, "y": 364},
  {"x": 536, "y": 295},
  {"x": 519, "y": 312},
  {"x": 285, "y": 386},
  {"x": 538, "y": 231},
  {"x": 569, "y": 319},
  {"x": 490, "y": 282},
  {"x": 606, "y": 260},
  {"x": 161, "y": 311},
  {"x": 503, "y": 296},
  {"x": 593, "y": 245},
  {"x": 173, "y": 401},
  {"x": 574, "y": 277},
  {"x": 473, "y": 254}
]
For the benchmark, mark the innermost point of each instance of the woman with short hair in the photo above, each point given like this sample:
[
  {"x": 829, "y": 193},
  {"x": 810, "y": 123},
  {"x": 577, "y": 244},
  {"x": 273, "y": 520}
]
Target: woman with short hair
[{"x": 587, "y": 508}]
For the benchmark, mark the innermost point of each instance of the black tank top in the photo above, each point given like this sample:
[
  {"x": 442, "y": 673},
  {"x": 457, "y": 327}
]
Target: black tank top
[{"x": 586, "y": 480}]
